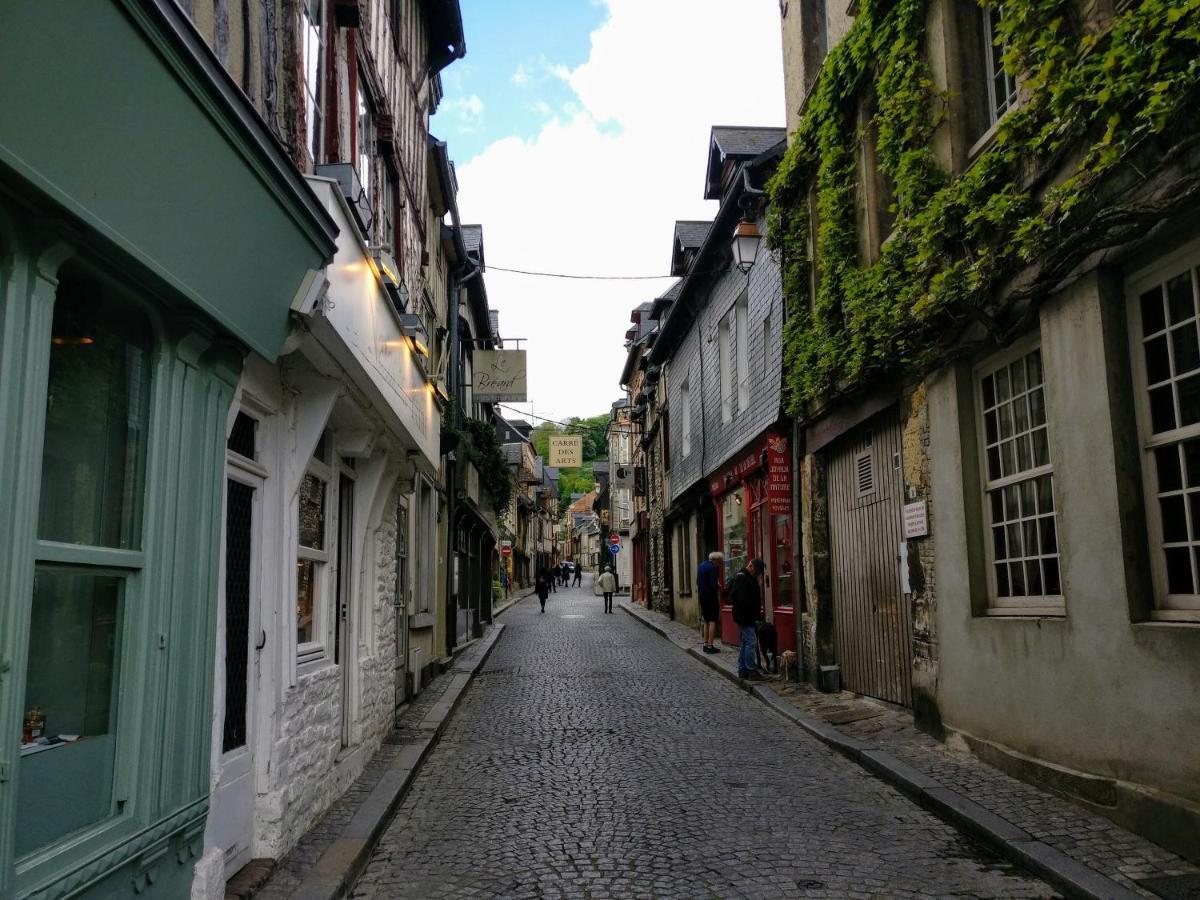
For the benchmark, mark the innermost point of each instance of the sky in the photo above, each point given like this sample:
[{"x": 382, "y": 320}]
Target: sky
[{"x": 580, "y": 129}]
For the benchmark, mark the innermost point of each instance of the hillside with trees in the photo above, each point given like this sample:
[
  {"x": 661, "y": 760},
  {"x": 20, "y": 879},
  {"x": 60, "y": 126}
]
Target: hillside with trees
[{"x": 593, "y": 430}]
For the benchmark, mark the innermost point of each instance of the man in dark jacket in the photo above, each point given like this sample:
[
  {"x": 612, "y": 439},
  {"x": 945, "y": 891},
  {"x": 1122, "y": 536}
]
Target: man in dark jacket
[
  {"x": 708, "y": 586},
  {"x": 745, "y": 595}
]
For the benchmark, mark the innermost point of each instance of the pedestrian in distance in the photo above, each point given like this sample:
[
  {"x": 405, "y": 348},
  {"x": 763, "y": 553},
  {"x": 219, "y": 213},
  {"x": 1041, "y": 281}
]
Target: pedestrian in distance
[
  {"x": 551, "y": 580},
  {"x": 708, "y": 584},
  {"x": 505, "y": 581},
  {"x": 578, "y": 580},
  {"x": 564, "y": 573},
  {"x": 543, "y": 588},
  {"x": 745, "y": 595},
  {"x": 608, "y": 585}
]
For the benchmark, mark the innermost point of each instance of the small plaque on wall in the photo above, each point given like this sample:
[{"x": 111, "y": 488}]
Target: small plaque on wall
[{"x": 916, "y": 520}]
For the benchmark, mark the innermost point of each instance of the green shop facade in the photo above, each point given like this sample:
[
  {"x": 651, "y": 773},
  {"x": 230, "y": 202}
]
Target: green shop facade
[{"x": 152, "y": 232}]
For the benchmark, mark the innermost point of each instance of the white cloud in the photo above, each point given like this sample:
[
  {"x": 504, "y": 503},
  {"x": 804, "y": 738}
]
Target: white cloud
[
  {"x": 598, "y": 189},
  {"x": 467, "y": 112},
  {"x": 521, "y": 76}
]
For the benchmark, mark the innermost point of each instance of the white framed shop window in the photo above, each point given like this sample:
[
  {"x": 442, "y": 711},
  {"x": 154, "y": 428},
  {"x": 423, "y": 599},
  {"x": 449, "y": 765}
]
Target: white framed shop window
[
  {"x": 314, "y": 511},
  {"x": 1024, "y": 572},
  {"x": 1164, "y": 330}
]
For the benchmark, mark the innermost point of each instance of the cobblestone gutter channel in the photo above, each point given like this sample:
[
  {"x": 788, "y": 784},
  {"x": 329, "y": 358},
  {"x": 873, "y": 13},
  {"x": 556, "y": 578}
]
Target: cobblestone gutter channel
[{"x": 1079, "y": 852}]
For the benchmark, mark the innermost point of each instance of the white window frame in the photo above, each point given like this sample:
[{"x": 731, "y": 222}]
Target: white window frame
[
  {"x": 685, "y": 401},
  {"x": 1167, "y": 606},
  {"x": 724, "y": 354},
  {"x": 312, "y": 38},
  {"x": 1044, "y": 605},
  {"x": 997, "y": 107},
  {"x": 741, "y": 338},
  {"x": 317, "y": 649}
]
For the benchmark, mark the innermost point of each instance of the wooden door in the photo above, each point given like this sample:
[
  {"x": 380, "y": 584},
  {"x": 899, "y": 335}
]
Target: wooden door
[{"x": 872, "y": 620}]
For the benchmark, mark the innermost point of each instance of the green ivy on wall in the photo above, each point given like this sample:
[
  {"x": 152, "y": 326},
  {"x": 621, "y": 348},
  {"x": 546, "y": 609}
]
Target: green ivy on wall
[
  {"x": 1089, "y": 102},
  {"x": 477, "y": 439}
]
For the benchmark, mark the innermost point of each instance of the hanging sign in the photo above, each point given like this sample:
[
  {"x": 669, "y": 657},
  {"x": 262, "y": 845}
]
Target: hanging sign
[
  {"x": 779, "y": 476},
  {"x": 498, "y": 376},
  {"x": 566, "y": 450}
]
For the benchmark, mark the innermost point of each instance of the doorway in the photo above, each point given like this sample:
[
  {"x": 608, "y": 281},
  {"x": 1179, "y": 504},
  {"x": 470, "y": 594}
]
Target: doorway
[
  {"x": 343, "y": 639},
  {"x": 400, "y": 604}
]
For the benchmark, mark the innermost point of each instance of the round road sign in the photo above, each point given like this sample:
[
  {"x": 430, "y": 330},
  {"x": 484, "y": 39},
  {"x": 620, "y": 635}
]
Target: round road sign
[
  {"x": 614, "y": 538},
  {"x": 614, "y": 549}
]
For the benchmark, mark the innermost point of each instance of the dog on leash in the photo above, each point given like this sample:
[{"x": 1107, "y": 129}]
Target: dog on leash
[
  {"x": 789, "y": 666},
  {"x": 767, "y": 648}
]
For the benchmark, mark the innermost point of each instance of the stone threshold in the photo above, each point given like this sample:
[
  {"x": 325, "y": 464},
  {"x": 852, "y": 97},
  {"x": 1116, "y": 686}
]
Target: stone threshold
[
  {"x": 340, "y": 864},
  {"x": 991, "y": 830}
]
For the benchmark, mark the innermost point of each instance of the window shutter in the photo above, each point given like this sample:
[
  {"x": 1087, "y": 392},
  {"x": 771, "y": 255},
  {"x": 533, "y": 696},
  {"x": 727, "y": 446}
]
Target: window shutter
[{"x": 864, "y": 473}]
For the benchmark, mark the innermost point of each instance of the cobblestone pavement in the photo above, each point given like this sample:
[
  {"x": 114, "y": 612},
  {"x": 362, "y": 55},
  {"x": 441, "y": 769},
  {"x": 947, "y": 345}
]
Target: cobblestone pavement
[
  {"x": 292, "y": 869},
  {"x": 1078, "y": 832},
  {"x": 591, "y": 759}
]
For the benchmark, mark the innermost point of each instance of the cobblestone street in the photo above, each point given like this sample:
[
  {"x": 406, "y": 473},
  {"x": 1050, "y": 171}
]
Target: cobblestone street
[{"x": 592, "y": 759}]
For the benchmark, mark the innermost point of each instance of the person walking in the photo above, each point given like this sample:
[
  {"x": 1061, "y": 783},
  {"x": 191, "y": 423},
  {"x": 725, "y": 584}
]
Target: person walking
[
  {"x": 708, "y": 584},
  {"x": 746, "y": 598},
  {"x": 548, "y": 574},
  {"x": 543, "y": 589},
  {"x": 608, "y": 585},
  {"x": 578, "y": 580},
  {"x": 505, "y": 580}
]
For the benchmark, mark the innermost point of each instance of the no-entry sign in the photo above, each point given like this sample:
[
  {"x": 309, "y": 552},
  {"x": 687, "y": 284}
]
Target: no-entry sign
[
  {"x": 506, "y": 549},
  {"x": 614, "y": 538}
]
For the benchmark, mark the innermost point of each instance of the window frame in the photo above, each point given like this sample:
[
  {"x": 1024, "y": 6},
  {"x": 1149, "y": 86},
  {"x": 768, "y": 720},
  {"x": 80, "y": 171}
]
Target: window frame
[
  {"x": 741, "y": 350},
  {"x": 993, "y": 53},
  {"x": 317, "y": 649},
  {"x": 1166, "y": 609},
  {"x": 685, "y": 427},
  {"x": 314, "y": 100},
  {"x": 725, "y": 367},
  {"x": 1043, "y": 605}
]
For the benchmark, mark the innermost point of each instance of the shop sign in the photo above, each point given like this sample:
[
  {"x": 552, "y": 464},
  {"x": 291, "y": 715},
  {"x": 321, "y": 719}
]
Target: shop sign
[
  {"x": 498, "y": 376},
  {"x": 779, "y": 476},
  {"x": 566, "y": 451}
]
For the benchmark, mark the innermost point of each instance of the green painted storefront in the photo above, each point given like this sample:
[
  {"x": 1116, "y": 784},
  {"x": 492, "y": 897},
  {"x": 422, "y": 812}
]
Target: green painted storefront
[{"x": 151, "y": 232}]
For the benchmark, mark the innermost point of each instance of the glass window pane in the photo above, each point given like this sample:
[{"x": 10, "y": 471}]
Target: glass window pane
[
  {"x": 1037, "y": 408},
  {"x": 993, "y": 456},
  {"x": 1045, "y": 490},
  {"x": 1166, "y": 461},
  {"x": 1034, "y": 364},
  {"x": 1024, "y": 453},
  {"x": 306, "y": 595},
  {"x": 312, "y": 512},
  {"x": 1011, "y": 509},
  {"x": 1020, "y": 409},
  {"x": 1179, "y": 570},
  {"x": 1002, "y": 588},
  {"x": 1008, "y": 457},
  {"x": 68, "y": 741},
  {"x": 1051, "y": 583},
  {"x": 1016, "y": 576},
  {"x": 1194, "y": 509},
  {"x": 998, "y": 543},
  {"x": 989, "y": 427},
  {"x": 1006, "y": 424},
  {"x": 97, "y": 411},
  {"x": 1191, "y": 462},
  {"x": 1186, "y": 348},
  {"x": 1030, "y": 527},
  {"x": 1041, "y": 451},
  {"x": 1179, "y": 298},
  {"x": 1153, "y": 318},
  {"x": 1189, "y": 400},
  {"x": 1028, "y": 498},
  {"x": 997, "y": 498},
  {"x": 1158, "y": 362},
  {"x": 1013, "y": 536},
  {"x": 989, "y": 393},
  {"x": 1002, "y": 385},
  {"x": 1174, "y": 520},
  {"x": 1018, "y": 377},
  {"x": 1049, "y": 538},
  {"x": 1033, "y": 577},
  {"x": 1162, "y": 409}
]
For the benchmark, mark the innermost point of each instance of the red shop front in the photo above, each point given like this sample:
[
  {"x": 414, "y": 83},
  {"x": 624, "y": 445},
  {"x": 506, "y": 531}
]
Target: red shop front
[{"x": 753, "y": 499}]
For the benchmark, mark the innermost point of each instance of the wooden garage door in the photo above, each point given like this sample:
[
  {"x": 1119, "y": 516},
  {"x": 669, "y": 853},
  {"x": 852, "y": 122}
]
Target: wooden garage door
[{"x": 872, "y": 620}]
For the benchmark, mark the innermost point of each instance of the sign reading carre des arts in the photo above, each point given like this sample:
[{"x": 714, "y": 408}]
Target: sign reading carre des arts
[
  {"x": 498, "y": 376},
  {"x": 566, "y": 451}
]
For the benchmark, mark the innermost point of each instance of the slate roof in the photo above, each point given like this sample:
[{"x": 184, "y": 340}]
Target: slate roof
[
  {"x": 691, "y": 234},
  {"x": 663, "y": 302},
  {"x": 739, "y": 141}
]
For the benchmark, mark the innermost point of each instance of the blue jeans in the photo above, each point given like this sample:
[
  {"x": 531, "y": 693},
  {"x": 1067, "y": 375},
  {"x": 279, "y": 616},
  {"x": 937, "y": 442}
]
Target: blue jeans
[{"x": 746, "y": 659}]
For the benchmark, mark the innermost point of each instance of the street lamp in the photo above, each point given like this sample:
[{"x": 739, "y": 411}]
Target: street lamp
[{"x": 746, "y": 238}]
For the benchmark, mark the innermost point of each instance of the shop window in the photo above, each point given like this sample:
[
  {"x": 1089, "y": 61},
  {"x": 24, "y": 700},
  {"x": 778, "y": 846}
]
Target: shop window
[
  {"x": 312, "y": 554},
  {"x": 733, "y": 530},
  {"x": 1022, "y": 537},
  {"x": 1167, "y": 365},
  {"x": 93, "y": 474}
]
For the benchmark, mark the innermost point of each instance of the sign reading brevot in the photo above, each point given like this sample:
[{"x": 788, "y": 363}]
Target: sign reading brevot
[
  {"x": 566, "y": 451},
  {"x": 498, "y": 376}
]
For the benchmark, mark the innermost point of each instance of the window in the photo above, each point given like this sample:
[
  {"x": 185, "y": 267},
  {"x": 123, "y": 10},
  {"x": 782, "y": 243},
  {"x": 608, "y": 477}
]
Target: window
[
  {"x": 1167, "y": 362},
  {"x": 364, "y": 137},
  {"x": 733, "y": 530},
  {"x": 864, "y": 469},
  {"x": 426, "y": 576},
  {"x": 1019, "y": 486},
  {"x": 685, "y": 402},
  {"x": 685, "y": 557},
  {"x": 312, "y": 20},
  {"x": 1001, "y": 87},
  {"x": 742, "y": 351},
  {"x": 312, "y": 554},
  {"x": 723, "y": 353},
  {"x": 87, "y": 566},
  {"x": 766, "y": 346}
]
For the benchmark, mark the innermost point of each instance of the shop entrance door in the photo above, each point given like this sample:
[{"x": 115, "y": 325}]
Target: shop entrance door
[
  {"x": 231, "y": 816},
  {"x": 872, "y": 621}
]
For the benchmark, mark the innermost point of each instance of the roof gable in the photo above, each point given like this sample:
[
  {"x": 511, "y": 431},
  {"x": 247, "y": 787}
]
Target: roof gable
[{"x": 729, "y": 143}]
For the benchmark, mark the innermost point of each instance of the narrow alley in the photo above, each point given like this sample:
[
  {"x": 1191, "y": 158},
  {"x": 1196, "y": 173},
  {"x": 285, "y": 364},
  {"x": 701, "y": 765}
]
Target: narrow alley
[{"x": 592, "y": 758}]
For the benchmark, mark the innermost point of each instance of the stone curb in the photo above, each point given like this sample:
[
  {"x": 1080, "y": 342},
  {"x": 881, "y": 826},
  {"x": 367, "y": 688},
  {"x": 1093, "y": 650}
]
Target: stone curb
[
  {"x": 343, "y": 861},
  {"x": 994, "y": 832}
]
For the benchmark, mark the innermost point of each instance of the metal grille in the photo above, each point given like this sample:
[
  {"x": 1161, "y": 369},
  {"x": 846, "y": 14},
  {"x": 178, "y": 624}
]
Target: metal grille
[
  {"x": 239, "y": 518},
  {"x": 241, "y": 438}
]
